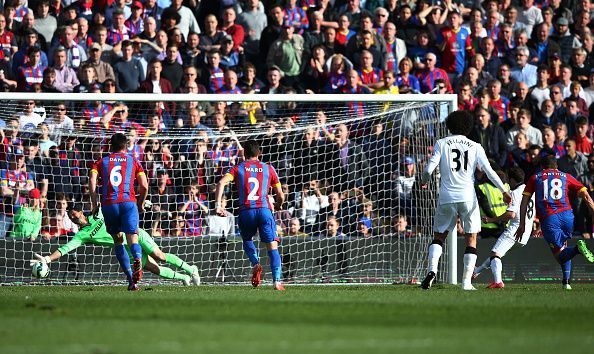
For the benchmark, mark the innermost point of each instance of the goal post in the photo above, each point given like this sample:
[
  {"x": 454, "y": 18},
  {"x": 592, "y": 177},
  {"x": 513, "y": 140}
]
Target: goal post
[{"x": 355, "y": 212}]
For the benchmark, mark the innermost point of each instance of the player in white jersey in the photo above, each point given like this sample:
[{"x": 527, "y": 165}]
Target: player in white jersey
[
  {"x": 507, "y": 239},
  {"x": 457, "y": 158}
]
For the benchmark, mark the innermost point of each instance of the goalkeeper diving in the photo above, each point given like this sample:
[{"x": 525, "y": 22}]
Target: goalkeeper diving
[{"x": 92, "y": 231}]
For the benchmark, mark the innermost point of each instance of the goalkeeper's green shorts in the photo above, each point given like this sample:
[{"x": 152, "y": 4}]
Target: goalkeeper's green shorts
[{"x": 147, "y": 244}]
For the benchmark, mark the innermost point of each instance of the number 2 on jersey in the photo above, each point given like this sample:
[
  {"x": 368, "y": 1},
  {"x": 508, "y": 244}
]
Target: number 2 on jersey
[
  {"x": 555, "y": 191},
  {"x": 456, "y": 159},
  {"x": 254, "y": 186}
]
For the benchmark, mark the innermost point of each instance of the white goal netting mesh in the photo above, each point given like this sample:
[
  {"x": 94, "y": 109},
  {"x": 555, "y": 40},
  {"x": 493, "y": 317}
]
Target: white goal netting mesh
[{"x": 354, "y": 212}]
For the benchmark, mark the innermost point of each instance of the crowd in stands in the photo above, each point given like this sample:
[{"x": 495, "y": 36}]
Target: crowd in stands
[{"x": 524, "y": 68}]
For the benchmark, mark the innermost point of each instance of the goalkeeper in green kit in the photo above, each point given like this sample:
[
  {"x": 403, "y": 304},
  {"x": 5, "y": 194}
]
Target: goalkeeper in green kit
[{"x": 92, "y": 231}]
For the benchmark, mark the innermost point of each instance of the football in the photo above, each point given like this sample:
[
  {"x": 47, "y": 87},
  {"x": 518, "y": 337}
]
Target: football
[{"x": 40, "y": 270}]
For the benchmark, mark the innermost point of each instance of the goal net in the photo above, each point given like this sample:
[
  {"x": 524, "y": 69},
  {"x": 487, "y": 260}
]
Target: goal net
[{"x": 348, "y": 164}]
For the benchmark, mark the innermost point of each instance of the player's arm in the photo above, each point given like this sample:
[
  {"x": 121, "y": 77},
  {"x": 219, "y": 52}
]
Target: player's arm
[
  {"x": 64, "y": 250},
  {"x": 583, "y": 193},
  {"x": 432, "y": 164},
  {"x": 485, "y": 166},
  {"x": 503, "y": 218},
  {"x": 526, "y": 196},
  {"x": 220, "y": 189},
  {"x": 93, "y": 190},
  {"x": 142, "y": 190},
  {"x": 279, "y": 196}
]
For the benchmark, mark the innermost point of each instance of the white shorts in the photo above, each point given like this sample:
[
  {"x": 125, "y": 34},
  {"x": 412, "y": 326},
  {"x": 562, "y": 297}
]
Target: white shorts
[
  {"x": 446, "y": 216},
  {"x": 504, "y": 244}
]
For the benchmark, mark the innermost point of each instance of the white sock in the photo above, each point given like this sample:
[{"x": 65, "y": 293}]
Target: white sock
[
  {"x": 483, "y": 266},
  {"x": 496, "y": 269},
  {"x": 435, "y": 252},
  {"x": 469, "y": 262}
]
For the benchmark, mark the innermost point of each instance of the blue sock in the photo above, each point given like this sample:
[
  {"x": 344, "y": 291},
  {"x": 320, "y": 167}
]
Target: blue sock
[
  {"x": 136, "y": 251},
  {"x": 567, "y": 254},
  {"x": 251, "y": 251},
  {"x": 566, "y": 268},
  {"x": 275, "y": 264},
  {"x": 124, "y": 260}
]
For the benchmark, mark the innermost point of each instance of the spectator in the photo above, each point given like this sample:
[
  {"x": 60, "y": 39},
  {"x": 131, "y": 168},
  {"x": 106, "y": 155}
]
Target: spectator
[
  {"x": 545, "y": 116},
  {"x": 32, "y": 72},
  {"x": 155, "y": 83},
  {"x": 229, "y": 26},
  {"x": 286, "y": 54},
  {"x": 59, "y": 123},
  {"x": 405, "y": 79},
  {"x": 253, "y": 22},
  {"x": 567, "y": 41},
  {"x": 498, "y": 102},
  {"x": 529, "y": 15},
  {"x": 454, "y": 43},
  {"x": 230, "y": 57},
  {"x": 533, "y": 135},
  {"x": 162, "y": 194},
  {"x": 490, "y": 136},
  {"x": 29, "y": 119},
  {"x": 48, "y": 84},
  {"x": 550, "y": 144},
  {"x": 103, "y": 69},
  {"x": 44, "y": 24},
  {"x": 523, "y": 71},
  {"x": 509, "y": 85},
  {"x": 583, "y": 143},
  {"x": 352, "y": 168},
  {"x": 195, "y": 209},
  {"x": 431, "y": 73},
  {"x": 66, "y": 78},
  {"x": 128, "y": 70},
  {"x": 371, "y": 77},
  {"x": 492, "y": 61},
  {"x": 14, "y": 177},
  {"x": 573, "y": 162}
]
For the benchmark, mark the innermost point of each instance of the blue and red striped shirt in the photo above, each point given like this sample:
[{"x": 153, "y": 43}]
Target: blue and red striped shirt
[
  {"x": 253, "y": 179},
  {"x": 118, "y": 172},
  {"x": 552, "y": 188}
]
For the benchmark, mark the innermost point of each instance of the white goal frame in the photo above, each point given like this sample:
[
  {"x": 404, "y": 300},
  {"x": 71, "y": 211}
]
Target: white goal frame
[{"x": 451, "y": 100}]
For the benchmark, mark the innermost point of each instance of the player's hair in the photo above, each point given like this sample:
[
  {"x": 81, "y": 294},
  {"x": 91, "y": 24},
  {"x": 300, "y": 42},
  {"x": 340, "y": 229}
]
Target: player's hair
[
  {"x": 73, "y": 206},
  {"x": 516, "y": 176},
  {"x": 118, "y": 142},
  {"x": 549, "y": 161},
  {"x": 459, "y": 122},
  {"x": 251, "y": 148}
]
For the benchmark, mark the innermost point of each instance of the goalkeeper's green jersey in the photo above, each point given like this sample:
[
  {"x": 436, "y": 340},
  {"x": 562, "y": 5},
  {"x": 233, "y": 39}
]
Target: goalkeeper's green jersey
[
  {"x": 27, "y": 222},
  {"x": 95, "y": 233}
]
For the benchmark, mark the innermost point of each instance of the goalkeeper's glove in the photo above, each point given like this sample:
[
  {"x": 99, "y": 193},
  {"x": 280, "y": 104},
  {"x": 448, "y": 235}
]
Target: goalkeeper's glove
[{"x": 39, "y": 258}]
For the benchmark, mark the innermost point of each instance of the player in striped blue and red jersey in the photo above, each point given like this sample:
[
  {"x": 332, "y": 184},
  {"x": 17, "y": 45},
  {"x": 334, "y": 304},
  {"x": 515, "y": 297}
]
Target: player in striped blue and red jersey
[
  {"x": 553, "y": 208},
  {"x": 119, "y": 172},
  {"x": 253, "y": 180}
]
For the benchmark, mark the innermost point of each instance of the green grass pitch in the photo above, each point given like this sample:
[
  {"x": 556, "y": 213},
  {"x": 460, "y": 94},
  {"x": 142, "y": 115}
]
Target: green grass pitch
[{"x": 325, "y": 319}]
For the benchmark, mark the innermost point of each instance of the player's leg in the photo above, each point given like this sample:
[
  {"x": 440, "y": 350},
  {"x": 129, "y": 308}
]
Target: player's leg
[
  {"x": 165, "y": 272},
  {"x": 485, "y": 265},
  {"x": 247, "y": 229},
  {"x": 556, "y": 230},
  {"x": 502, "y": 246},
  {"x": 470, "y": 218},
  {"x": 267, "y": 228},
  {"x": 150, "y": 247},
  {"x": 129, "y": 220},
  {"x": 443, "y": 221},
  {"x": 112, "y": 225}
]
